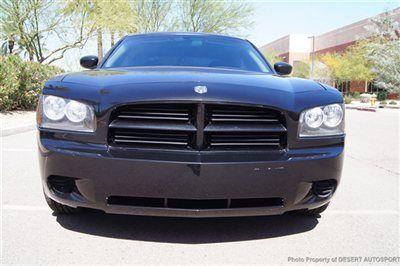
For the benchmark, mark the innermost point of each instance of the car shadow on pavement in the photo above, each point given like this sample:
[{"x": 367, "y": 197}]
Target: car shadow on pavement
[{"x": 186, "y": 230}]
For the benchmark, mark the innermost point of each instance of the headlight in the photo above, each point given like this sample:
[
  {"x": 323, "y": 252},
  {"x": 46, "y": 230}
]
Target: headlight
[
  {"x": 53, "y": 108},
  {"x": 333, "y": 115},
  {"x": 76, "y": 112},
  {"x": 314, "y": 117},
  {"x": 59, "y": 113},
  {"x": 322, "y": 121}
]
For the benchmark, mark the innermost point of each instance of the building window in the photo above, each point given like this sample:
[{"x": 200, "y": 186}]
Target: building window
[{"x": 372, "y": 88}]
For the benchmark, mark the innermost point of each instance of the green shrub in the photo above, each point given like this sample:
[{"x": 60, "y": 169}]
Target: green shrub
[
  {"x": 383, "y": 102},
  {"x": 356, "y": 94},
  {"x": 392, "y": 102},
  {"x": 33, "y": 76},
  {"x": 21, "y": 82},
  {"x": 9, "y": 81},
  {"x": 382, "y": 96},
  {"x": 347, "y": 99}
]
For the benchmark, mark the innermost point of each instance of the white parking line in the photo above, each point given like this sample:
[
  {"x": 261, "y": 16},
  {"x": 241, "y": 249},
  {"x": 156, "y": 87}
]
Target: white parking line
[
  {"x": 25, "y": 208},
  {"x": 362, "y": 212},
  {"x": 20, "y": 150}
]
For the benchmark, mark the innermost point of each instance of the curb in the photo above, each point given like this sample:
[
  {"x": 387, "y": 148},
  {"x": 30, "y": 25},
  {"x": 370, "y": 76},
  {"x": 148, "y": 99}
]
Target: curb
[
  {"x": 368, "y": 109},
  {"x": 371, "y": 109},
  {"x": 16, "y": 130},
  {"x": 392, "y": 107}
]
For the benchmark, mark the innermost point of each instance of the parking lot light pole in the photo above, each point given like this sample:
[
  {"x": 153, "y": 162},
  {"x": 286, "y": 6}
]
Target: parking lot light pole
[{"x": 312, "y": 56}]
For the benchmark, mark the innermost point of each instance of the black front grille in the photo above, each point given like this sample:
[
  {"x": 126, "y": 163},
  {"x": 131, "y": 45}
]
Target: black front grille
[
  {"x": 227, "y": 139},
  {"x": 150, "y": 113},
  {"x": 195, "y": 204},
  {"x": 153, "y": 126},
  {"x": 235, "y": 114},
  {"x": 197, "y": 126}
]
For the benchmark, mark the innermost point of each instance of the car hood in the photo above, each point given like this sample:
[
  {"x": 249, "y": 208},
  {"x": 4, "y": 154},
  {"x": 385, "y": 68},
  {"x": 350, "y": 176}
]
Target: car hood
[{"x": 126, "y": 85}]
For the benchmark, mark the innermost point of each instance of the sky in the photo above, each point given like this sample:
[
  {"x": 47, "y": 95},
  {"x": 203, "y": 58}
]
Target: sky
[{"x": 274, "y": 19}]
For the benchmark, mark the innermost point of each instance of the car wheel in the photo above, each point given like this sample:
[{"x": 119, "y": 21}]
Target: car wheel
[
  {"x": 60, "y": 208},
  {"x": 314, "y": 212}
]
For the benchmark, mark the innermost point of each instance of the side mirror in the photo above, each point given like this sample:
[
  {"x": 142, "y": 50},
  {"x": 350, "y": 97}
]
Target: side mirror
[
  {"x": 89, "y": 61},
  {"x": 283, "y": 68}
]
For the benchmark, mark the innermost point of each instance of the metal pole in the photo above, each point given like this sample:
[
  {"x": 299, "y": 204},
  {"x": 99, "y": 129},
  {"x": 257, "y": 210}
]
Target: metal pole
[{"x": 312, "y": 57}]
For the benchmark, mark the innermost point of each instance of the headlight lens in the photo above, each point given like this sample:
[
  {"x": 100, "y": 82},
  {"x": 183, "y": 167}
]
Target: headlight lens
[
  {"x": 76, "y": 112},
  {"x": 64, "y": 114},
  {"x": 333, "y": 115},
  {"x": 53, "y": 107},
  {"x": 322, "y": 121},
  {"x": 314, "y": 117}
]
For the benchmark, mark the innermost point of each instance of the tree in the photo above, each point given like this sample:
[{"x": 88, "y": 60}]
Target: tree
[
  {"x": 383, "y": 50},
  {"x": 334, "y": 63},
  {"x": 32, "y": 22},
  {"x": 223, "y": 17},
  {"x": 154, "y": 15},
  {"x": 104, "y": 16},
  {"x": 351, "y": 65},
  {"x": 322, "y": 73},
  {"x": 357, "y": 65},
  {"x": 301, "y": 69},
  {"x": 272, "y": 57}
]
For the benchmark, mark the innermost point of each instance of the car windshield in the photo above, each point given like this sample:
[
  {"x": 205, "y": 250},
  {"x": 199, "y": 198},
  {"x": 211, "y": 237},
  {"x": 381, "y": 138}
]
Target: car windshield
[{"x": 191, "y": 51}]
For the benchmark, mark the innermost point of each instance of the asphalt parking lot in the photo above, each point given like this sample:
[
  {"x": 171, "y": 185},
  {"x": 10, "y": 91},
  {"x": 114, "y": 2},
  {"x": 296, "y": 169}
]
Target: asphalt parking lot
[{"x": 363, "y": 219}]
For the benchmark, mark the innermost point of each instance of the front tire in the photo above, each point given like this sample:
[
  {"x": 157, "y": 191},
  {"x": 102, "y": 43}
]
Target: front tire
[{"x": 59, "y": 208}]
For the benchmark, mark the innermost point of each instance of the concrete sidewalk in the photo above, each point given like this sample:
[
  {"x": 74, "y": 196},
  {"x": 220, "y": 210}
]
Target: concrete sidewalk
[
  {"x": 17, "y": 122},
  {"x": 355, "y": 104}
]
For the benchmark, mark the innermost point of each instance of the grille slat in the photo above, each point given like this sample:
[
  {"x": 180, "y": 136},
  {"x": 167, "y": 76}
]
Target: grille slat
[
  {"x": 151, "y": 113},
  {"x": 195, "y": 204},
  {"x": 243, "y": 120},
  {"x": 197, "y": 126},
  {"x": 151, "y": 142},
  {"x": 245, "y": 144},
  {"x": 144, "y": 137},
  {"x": 242, "y": 114},
  {"x": 153, "y": 117},
  {"x": 151, "y": 125},
  {"x": 242, "y": 126},
  {"x": 155, "y": 112}
]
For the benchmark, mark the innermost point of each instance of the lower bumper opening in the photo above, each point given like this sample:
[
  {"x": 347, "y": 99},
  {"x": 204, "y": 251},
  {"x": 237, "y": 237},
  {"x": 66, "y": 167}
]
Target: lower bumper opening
[
  {"x": 62, "y": 184},
  {"x": 324, "y": 188},
  {"x": 191, "y": 204}
]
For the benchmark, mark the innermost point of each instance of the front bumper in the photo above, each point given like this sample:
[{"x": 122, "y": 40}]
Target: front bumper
[{"x": 101, "y": 173}]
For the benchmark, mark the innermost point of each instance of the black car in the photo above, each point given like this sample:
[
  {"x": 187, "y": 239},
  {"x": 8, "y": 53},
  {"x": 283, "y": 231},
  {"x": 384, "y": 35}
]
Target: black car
[{"x": 194, "y": 125}]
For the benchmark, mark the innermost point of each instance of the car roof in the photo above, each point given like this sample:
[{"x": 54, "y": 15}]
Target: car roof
[{"x": 184, "y": 34}]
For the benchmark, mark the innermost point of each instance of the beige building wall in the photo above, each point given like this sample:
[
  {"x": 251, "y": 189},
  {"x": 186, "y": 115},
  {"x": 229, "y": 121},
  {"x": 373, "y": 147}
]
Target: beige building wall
[
  {"x": 291, "y": 48},
  {"x": 340, "y": 38},
  {"x": 299, "y": 46},
  {"x": 279, "y": 46}
]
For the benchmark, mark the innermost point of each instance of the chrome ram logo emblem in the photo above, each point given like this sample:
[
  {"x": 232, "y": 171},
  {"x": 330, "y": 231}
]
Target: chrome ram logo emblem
[{"x": 200, "y": 89}]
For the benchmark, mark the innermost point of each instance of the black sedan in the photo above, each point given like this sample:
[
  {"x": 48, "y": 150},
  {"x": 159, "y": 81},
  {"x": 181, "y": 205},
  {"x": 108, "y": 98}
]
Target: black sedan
[{"x": 193, "y": 125}]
